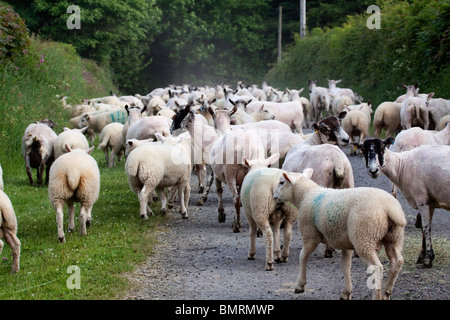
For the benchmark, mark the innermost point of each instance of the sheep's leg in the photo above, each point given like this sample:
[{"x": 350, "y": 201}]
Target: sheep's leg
[
  {"x": 172, "y": 195},
  {"x": 219, "y": 189},
  {"x": 183, "y": 194},
  {"x": 163, "y": 199},
  {"x": 144, "y": 198},
  {"x": 393, "y": 251},
  {"x": 371, "y": 259},
  {"x": 28, "y": 168},
  {"x": 40, "y": 173},
  {"x": 308, "y": 247},
  {"x": 288, "y": 224},
  {"x": 14, "y": 243},
  {"x": 206, "y": 192},
  {"x": 268, "y": 236},
  {"x": 201, "y": 174},
  {"x": 71, "y": 210},
  {"x": 83, "y": 217},
  {"x": 1, "y": 242},
  {"x": 107, "y": 159},
  {"x": 253, "y": 228},
  {"x": 89, "y": 217},
  {"x": 59, "y": 222},
  {"x": 276, "y": 241},
  {"x": 427, "y": 254},
  {"x": 346, "y": 264}
]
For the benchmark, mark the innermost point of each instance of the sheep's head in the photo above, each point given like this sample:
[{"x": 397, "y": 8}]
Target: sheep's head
[
  {"x": 178, "y": 117},
  {"x": 330, "y": 130},
  {"x": 373, "y": 152},
  {"x": 284, "y": 190}
]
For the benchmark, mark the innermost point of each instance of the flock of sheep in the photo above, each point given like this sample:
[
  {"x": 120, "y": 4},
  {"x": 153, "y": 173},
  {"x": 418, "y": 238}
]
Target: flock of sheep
[{"x": 251, "y": 139}]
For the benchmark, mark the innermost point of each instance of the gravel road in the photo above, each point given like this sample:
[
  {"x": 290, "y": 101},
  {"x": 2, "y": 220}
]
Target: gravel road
[{"x": 200, "y": 258}]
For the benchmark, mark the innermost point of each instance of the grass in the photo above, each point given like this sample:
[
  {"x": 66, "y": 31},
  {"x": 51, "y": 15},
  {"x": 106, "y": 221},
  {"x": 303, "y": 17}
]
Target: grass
[{"x": 118, "y": 238}]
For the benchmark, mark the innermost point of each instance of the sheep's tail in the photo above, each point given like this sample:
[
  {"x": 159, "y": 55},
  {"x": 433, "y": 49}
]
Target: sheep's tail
[
  {"x": 104, "y": 141},
  {"x": 417, "y": 109},
  {"x": 73, "y": 179},
  {"x": 397, "y": 223},
  {"x": 8, "y": 218},
  {"x": 339, "y": 175}
]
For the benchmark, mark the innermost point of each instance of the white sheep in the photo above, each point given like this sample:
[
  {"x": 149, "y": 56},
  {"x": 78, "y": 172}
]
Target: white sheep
[
  {"x": 74, "y": 138},
  {"x": 415, "y": 113},
  {"x": 110, "y": 142},
  {"x": 146, "y": 128},
  {"x": 153, "y": 167},
  {"x": 439, "y": 108},
  {"x": 132, "y": 144},
  {"x": 98, "y": 121},
  {"x": 263, "y": 213},
  {"x": 360, "y": 219},
  {"x": 422, "y": 175},
  {"x": 38, "y": 149},
  {"x": 333, "y": 89},
  {"x": 74, "y": 177},
  {"x": 387, "y": 117},
  {"x": 356, "y": 123},
  {"x": 320, "y": 100},
  {"x": 8, "y": 230}
]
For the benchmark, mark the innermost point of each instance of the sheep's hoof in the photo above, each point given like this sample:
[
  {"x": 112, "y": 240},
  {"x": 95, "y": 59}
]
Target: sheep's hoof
[
  {"x": 184, "y": 215},
  {"x": 200, "y": 190},
  {"x": 299, "y": 290},
  {"x": 170, "y": 205},
  {"x": 251, "y": 257},
  {"x": 222, "y": 215},
  {"x": 62, "y": 239},
  {"x": 269, "y": 267},
  {"x": 144, "y": 216},
  {"x": 236, "y": 227},
  {"x": 200, "y": 202},
  {"x": 284, "y": 259},
  {"x": 163, "y": 212},
  {"x": 88, "y": 223}
]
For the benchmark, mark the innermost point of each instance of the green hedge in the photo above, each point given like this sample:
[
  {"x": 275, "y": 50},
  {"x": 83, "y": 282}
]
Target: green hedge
[{"x": 412, "y": 45}]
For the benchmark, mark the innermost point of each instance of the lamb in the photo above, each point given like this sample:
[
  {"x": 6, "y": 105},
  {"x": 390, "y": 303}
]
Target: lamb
[
  {"x": 99, "y": 121},
  {"x": 157, "y": 166},
  {"x": 320, "y": 100},
  {"x": 387, "y": 117},
  {"x": 242, "y": 117},
  {"x": 421, "y": 174},
  {"x": 74, "y": 177},
  {"x": 290, "y": 113},
  {"x": 226, "y": 159},
  {"x": 360, "y": 219},
  {"x": 111, "y": 141},
  {"x": 263, "y": 213},
  {"x": 146, "y": 127},
  {"x": 8, "y": 230},
  {"x": 134, "y": 143},
  {"x": 74, "y": 138},
  {"x": 414, "y": 112},
  {"x": 38, "y": 149},
  {"x": 356, "y": 123}
]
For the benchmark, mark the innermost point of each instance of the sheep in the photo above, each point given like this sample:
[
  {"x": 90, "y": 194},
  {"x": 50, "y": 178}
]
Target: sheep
[
  {"x": 333, "y": 89},
  {"x": 339, "y": 102},
  {"x": 414, "y": 112},
  {"x": 361, "y": 219},
  {"x": 306, "y": 104},
  {"x": 357, "y": 123},
  {"x": 38, "y": 149},
  {"x": 280, "y": 142},
  {"x": 132, "y": 144},
  {"x": 263, "y": 213},
  {"x": 99, "y": 121},
  {"x": 387, "y": 117},
  {"x": 133, "y": 115},
  {"x": 157, "y": 166},
  {"x": 443, "y": 122},
  {"x": 320, "y": 100},
  {"x": 74, "y": 138},
  {"x": 439, "y": 108},
  {"x": 242, "y": 117},
  {"x": 226, "y": 159},
  {"x": 74, "y": 177},
  {"x": 421, "y": 174},
  {"x": 290, "y": 112},
  {"x": 111, "y": 141},
  {"x": 8, "y": 230},
  {"x": 146, "y": 127}
]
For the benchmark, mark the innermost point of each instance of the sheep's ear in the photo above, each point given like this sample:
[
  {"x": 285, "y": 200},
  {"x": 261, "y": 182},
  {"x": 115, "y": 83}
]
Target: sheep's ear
[
  {"x": 342, "y": 115},
  {"x": 246, "y": 162},
  {"x": 430, "y": 96},
  {"x": 212, "y": 101},
  {"x": 130, "y": 142},
  {"x": 88, "y": 151},
  {"x": 160, "y": 137},
  {"x": 211, "y": 112},
  {"x": 273, "y": 158},
  {"x": 260, "y": 109},
  {"x": 308, "y": 172},
  {"x": 66, "y": 146},
  {"x": 66, "y": 129},
  {"x": 287, "y": 177},
  {"x": 300, "y": 91},
  {"x": 144, "y": 109},
  {"x": 83, "y": 130},
  {"x": 315, "y": 126},
  {"x": 232, "y": 102},
  {"x": 233, "y": 111},
  {"x": 388, "y": 141},
  {"x": 126, "y": 108}
]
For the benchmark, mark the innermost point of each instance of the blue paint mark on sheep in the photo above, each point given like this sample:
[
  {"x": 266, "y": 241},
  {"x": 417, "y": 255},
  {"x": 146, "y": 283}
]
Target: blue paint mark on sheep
[
  {"x": 250, "y": 179},
  {"x": 317, "y": 202},
  {"x": 333, "y": 211},
  {"x": 118, "y": 116}
]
